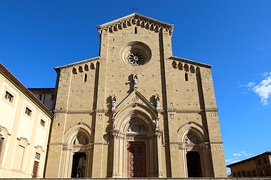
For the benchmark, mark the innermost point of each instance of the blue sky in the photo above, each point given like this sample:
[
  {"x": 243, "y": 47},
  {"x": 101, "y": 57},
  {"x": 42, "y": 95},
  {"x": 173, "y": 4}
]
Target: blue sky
[{"x": 231, "y": 35}]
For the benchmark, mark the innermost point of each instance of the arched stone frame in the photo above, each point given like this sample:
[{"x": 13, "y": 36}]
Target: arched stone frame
[
  {"x": 200, "y": 145},
  {"x": 122, "y": 136},
  {"x": 4, "y": 135},
  {"x": 72, "y": 146}
]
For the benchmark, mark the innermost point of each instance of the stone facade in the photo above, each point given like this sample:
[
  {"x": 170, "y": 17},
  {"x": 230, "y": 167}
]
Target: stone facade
[
  {"x": 24, "y": 130},
  {"x": 135, "y": 110}
]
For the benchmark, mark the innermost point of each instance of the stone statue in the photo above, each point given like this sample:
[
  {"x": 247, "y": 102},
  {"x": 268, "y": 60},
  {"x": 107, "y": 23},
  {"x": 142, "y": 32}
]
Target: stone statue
[
  {"x": 113, "y": 102},
  {"x": 156, "y": 124},
  {"x": 157, "y": 101},
  {"x": 135, "y": 78}
]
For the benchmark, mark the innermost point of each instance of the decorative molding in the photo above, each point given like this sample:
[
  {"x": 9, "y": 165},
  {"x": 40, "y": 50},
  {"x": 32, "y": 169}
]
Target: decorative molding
[
  {"x": 135, "y": 20},
  {"x": 174, "y": 58}
]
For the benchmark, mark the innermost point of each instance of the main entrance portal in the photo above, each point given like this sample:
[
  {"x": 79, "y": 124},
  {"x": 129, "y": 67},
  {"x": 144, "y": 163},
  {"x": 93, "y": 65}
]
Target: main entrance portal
[{"x": 136, "y": 165}]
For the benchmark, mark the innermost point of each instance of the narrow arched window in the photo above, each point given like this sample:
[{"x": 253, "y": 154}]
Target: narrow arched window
[
  {"x": 186, "y": 77},
  {"x": 85, "y": 78},
  {"x": 135, "y": 30}
]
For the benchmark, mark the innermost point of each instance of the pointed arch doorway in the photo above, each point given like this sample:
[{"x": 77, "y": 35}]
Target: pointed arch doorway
[{"x": 135, "y": 148}]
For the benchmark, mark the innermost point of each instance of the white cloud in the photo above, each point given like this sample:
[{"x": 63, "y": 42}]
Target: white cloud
[
  {"x": 251, "y": 84},
  {"x": 237, "y": 154},
  {"x": 263, "y": 89},
  {"x": 238, "y": 157}
]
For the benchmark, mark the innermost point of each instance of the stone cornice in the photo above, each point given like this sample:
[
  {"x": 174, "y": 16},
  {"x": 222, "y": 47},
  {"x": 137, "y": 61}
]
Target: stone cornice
[
  {"x": 138, "y": 20},
  {"x": 192, "y": 110},
  {"x": 189, "y": 61}
]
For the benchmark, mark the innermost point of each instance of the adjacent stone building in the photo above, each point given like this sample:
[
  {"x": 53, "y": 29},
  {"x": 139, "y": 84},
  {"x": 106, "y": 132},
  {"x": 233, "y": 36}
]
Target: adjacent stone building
[
  {"x": 24, "y": 130},
  {"x": 45, "y": 95},
  {"x": 135, "y": 110},
  {"x": 256, "y": 166}
]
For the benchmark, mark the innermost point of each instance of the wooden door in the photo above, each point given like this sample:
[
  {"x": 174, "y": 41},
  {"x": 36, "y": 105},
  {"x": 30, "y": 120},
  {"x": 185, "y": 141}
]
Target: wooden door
[
  {"x": 136, "y": 165},
  {"x": 35, "y": 169}
]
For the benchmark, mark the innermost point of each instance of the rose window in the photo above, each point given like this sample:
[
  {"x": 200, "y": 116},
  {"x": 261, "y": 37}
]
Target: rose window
[{"x": 136, "y": 58}]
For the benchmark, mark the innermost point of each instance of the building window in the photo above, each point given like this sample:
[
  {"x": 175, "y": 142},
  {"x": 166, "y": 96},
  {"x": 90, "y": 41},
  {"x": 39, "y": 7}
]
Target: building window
[
  {"x": 186, "y": 77},
  {"x": 37, "y": 156},
  {"x": 28, "y": 111},
  {"x": 9, "y": 96},
  {"x": 85, "y": 78},
  {"x": 19, "y": 158},
  {"x": 259, "y": 162},
  {"x": 42, "y": 123},
  {"x": 264, "y": 161},
  {"x": 40, "y": 97},
  {"x": 52, "y": 97}
]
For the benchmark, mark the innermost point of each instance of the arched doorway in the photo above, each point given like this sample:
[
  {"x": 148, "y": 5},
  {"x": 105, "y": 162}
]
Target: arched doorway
[
  {"x": 193, "y": 159},
  {"x": 81, "y": 155},
  {"x": 77, "y": 153},
  {"x": 194, "y": 151},
  {"x": 193, "y": 164},
  {"x": 78, "y": 165},
  {"x": 135, "y": 148}
]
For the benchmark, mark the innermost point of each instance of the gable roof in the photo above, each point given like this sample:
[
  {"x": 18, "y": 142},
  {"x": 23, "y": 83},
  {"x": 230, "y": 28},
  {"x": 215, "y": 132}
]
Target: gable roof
[
  {"x": 253, "y": 157},
  {"x": 135, "y": 19},
  {"x": 57, "y": 68}
]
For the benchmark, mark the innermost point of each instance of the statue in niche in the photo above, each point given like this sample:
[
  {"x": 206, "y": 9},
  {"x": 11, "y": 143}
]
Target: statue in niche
[
  {"x": 157, "y": 101},
  {"x": 113, "y": 102},
  {"x": 135, "y": 78}
]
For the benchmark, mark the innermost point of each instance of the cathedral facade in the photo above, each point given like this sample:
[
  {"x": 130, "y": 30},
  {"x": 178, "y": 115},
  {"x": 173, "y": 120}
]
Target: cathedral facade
[{"x": 135, "y": 110}]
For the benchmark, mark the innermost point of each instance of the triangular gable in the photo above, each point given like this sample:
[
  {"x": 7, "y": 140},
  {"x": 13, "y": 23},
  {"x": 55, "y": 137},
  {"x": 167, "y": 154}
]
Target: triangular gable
[
  {"x": 136, "y": 19},
  {"x": 135, "y": 98}
]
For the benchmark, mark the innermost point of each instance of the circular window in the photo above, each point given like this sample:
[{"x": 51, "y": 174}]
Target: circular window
[
  {"x": 136, "y": 54},
  {"x": 136, "y": 58}
]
